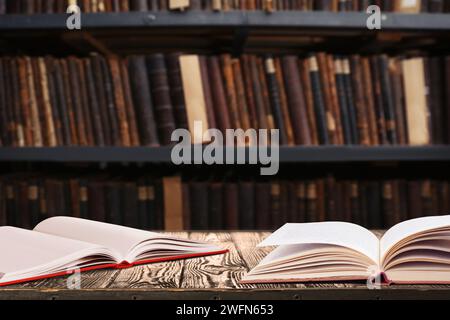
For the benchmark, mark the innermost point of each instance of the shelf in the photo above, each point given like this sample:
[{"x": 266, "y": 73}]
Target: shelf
[
  {"x": 327, "y": 154},
  {"x": 286, "y": 19}
]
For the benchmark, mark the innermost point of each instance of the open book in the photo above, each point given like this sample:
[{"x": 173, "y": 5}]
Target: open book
[
  {"x": 61, "y": 245},
  {"x": 413, "y": 252}
]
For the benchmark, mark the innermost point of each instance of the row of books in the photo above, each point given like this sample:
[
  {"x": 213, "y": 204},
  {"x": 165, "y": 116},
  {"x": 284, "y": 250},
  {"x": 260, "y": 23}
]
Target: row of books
[
  {"x": 60, "y": 6},
  {"x": 175, "y": 203},
  {"x": 315, "y": 99}
]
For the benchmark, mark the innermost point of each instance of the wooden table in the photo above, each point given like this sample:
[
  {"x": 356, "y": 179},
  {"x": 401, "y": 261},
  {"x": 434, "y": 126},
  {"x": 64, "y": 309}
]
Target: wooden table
[{"x": 215, "y": 277}]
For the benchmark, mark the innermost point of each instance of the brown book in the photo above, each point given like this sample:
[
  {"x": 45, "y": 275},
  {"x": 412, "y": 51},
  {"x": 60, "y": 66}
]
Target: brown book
[
  {"x": 159, "y": 83},
  {"x": 369, "y": 101},
  {"x": 49, "y": 64},
  {"x": 142, "y": 101},
  {"x": 69, "y": 102},
  {"x": 395, "y": 70},
  {"x": 173, "y": 203},
  {"x": 231, "y": 206},
  {"x": 437, "y": 99},
  {"x": 114, "y": 64},
  {"x": 258, "y": 94},
  {"x": 77, "y": 101},
  {"x": 248, "y": 83},
  {"x": 230, "y": 90},
  {"x": 194, "y": 95},
  {"x": 25, "y": 101},
  {"x": 176, "y": 90},
  {"x": 17, "y": 112},
  {"x": 312, "y": 214},
  {"x": 416, "y": 102},
  {"x": 207, "y": 92},
  {"x": 388, "y": 99},
  {"x": 412, "y": 6},
  {"x": 129, "y": 106},
  {"x": 265, "y": 93},
  {"x": 88, "y": 122},
  {"x": 379, "y": 107},
  {"x": 243, "y": 109}
]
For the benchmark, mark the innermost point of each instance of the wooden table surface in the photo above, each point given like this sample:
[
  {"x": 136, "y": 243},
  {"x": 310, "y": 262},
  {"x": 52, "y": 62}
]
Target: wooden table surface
[{"x": 215, "y": 277}]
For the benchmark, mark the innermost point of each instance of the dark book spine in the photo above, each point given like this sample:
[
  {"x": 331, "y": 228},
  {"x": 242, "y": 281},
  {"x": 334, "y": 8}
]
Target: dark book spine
[
  {"x": 157, "y": 71},
  {"x": 199, "y": 205},
  {"x": 97, "y": 205},
  {"x": 130, "y": 205},
  {"x": 5, "y": 137},
  {"x": 342, "y": 97},
  {"x": 262, "y": 206},
  {"x": 77, "y": 102},
  {"x": 275, "y": 205},
  {"x": 351, "y": 108},
  {"x": 388, "y": 103},
  {"x": 246, "y": 205},
  {"x": 84, "y": 96},
  {"x": 130, "y": 111},
  {"x": 230, "y": 90},
  {"x": 176, "y": 90},
  {"x": 142, "y": 101},
  {"x": 138, "y": 5},
  {"x": 207, "y": 91},
  {"x": 258, "y": 94},
  {"x": 275, "y": 99},
  {"x": 33, "y": 203},
  {"x": 311, "y": 202},
  {"x": 379, "y": 108},
  {"x": 437, "y": 99},
  {"x": 69, "y": 103},
  {"x": 216, "y": 214},
  {"x": 218, "y": 93},
  {"x": 231, "y": 206},
  {"x": 142, "y": 197}
]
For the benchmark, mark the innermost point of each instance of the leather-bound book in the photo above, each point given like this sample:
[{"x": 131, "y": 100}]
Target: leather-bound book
[
  {"x": 195, "y": 4},
  {"x": 360, "y": 107},
  {"x": 330, "y": 198},
  {"x": 19, "y": 121},
  {"x": 199, "y": 205},
  {"x": 163, "y": 5},
  {"x": 142, "y": 101},
  {"x": 275, "y": 207},
  {"x": 343, "y": 103},
  {"x": 209, "y": 104},
  {"x": 296, "y": 100},
  {"x": 32, "y": 192},
  {"x": 319, "y": 104},
  {"x": 194, "y": 96},
  {"x": 355, "y": 204},
  {"x": 25, "y": 102},
  {"x": 311, "y": 202},
  {"x": 388, "y": 204},
  {"x": 444, "y": 196},
  {"x": 414, "y": 199},
  {"x": 34, "y": 108},
  {"x": 176, "y": 90},
  {"x": 152, "y": 205},
  {"x": 402, "y": 194},
  {"x": 331, "y": 84},
  {"x": 369, "y": 101},
  {"x": 427, "y": 198},
  {"x": 130, "y": 205},
  {"x": 262, "y": 206},
  {"x": 379, "y": 107},
  {"x": 321, "y": 203},
  {"x": 250, "y": 96},
  {"x": 374, "y": 205},
  {"x": 3, "y": 108},
  {"x": 74, "y": 191},
  {"x": 97, "y": 206},
  {"x": 124, "y": 127},
  {"x": 74, "y": 80},
  {"x": 350, "y": 100},
  {"x": 216, "y": 206},
  {"x": 258, "y": 94},
  {"x": 284, "y": 202},
  {"x": 9, "y": 105},
  {"x": 113, "y": 202},
  {"x": 301, "y": 202},
  {"x": 437, "y": 98},
  {"x": 395, "y": 73},
  {"x": 173, "y": 203},
  {"x": 88, "y": 122},
  {"x": 243, "y": 109},
  {"x": 231, "y": 206},
  {"x": 129, "y": 106},
  {"x": 284, "y": 102},
  {"x": 265, "y": 93},
  {"x": 246, "y": 205},
  {"x": 124, "y": 5},
  {"x": 187, "y": 207},
  {"x": 153, "y": 5},
  {"x": 275, "y": 99},
  {"x": 162, "y": 102},
  {"x": 436, "y": 6},
  {"x": 39, "y": 100},
  {"x": 61, "y": 103},
  {"x": 230, "y": 90},
  {"x": 309, "y": 100},
  {"x": 94, "y": 106},
  {"x": 69, "y": 102},
  {"x": 142, "y": 197},
  {"x": 49, "y": 66},
  {"x": 138, "y": 5},
  {"x": 416, "y": 101},
  {"x": 221, "y": 111},
  {"x": 388, "y": 99},
  {"x": 327, "y": 87},
  {"x": 107, "y": 101}
]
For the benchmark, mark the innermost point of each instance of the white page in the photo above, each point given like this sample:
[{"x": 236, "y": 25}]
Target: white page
[
  {"x": 23, "y": 250},
  {"x": 410, "y": 227},
  {"x": 334, "y": 233},
  {"x": 117, "y": 238}
]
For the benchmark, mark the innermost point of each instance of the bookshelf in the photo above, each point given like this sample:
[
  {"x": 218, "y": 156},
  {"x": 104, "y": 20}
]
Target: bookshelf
[
  {"x": 236, "y": 32},
  {"x": 288, "y": 155}
]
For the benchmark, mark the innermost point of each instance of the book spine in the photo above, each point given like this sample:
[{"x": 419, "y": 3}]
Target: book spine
[{"x": 176, "y": 90}]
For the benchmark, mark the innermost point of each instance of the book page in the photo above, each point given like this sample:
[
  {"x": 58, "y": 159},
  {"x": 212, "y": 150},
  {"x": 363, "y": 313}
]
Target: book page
[
  {"x": 26, "y": 253},
  {"x": 342, "y": 234},
  {"x": 117, "y": 238},
  {"x": 409, "y": 228}
]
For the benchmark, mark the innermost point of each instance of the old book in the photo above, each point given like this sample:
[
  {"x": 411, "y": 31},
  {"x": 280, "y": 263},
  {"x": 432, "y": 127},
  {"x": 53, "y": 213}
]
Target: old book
[
  {"x": 369, "y": 101},
  {"x": 379, "y": 107},
  {"x": 395, "y": 70},
  {"x": 129, "y": 200},
  {"x": 246, "y": 205},
  {"x": 343, "y": 103},
  {"x": 295, "y": 241},
  {"x": 194, "y": 96},
  {"x": 159, "y": 83},
  {"x": 259, "y": 103},
  {"x": 360, "y": 106},
  {"x": 73, "y": 129},
  {"x": 87, "y": 241},
  {"x": 263, "y": 206},
  {"x": 388, "y": 99},
  {"x": 25, "y": 102},
  {"x": 231, "y": 206},
  {"x": 142, "y": 101},
  {"x": 407, "y": 6},
  {"x": 284, "y": 103},
  {"x": 77, "y": 103},
  {"x": 216, "y": 205},
  {"x": 416, "y": 102},
  {"x": 207, "y": 92},
  {"x": 199, "y": 205},
  {"x": 173, "y": 203},
  {"x": 129, "y": 106},
  {"x": 230, "y": 90},
  {"x": 176, "y": 90},
  {"x": 138, "y": 5},
  {"x": 88, "y": 122}
]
